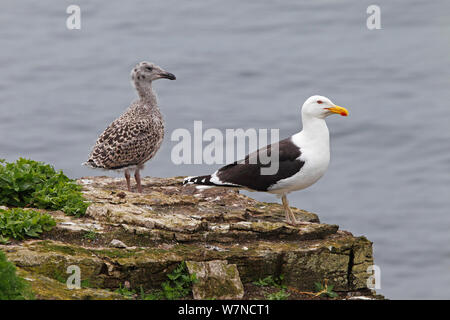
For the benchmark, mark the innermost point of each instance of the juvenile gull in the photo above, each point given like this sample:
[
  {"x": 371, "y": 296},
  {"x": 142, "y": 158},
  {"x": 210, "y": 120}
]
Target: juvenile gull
[
  {"x": 302, "y": 159},
  {"x": 134, "y": 137}
]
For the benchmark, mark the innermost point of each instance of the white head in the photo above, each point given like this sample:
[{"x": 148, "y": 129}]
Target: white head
[{"x": 321, "y": 107}]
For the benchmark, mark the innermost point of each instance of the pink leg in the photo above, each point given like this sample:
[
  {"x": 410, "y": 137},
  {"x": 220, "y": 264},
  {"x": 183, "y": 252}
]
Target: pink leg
[
  {"x": 290, "y": 216},
  {"x": 127, "y": 177},
  {"x": 137, "y": 176}
]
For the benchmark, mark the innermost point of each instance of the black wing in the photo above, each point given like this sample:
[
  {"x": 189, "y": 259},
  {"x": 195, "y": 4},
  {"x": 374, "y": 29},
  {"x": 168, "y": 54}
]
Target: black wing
[{"x": 247, "y": 173}]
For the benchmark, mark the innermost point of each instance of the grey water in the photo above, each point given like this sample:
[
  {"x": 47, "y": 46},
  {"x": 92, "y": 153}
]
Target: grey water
[{"x": 251, "y": 64}]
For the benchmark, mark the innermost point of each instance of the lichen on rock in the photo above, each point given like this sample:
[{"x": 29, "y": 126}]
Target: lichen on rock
[
  {"x": 170, "y": 223},
  {"x": 216, "y": 279}
]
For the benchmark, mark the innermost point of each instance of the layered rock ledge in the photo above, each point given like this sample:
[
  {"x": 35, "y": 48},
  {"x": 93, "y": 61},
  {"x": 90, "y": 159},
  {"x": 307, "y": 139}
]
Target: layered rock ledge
[{"x": 169, "y": 223}]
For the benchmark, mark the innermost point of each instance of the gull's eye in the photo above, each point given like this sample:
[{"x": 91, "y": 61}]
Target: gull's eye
[
  {"x": 319, "y": 101},
  {"x": 148, "y": 68}
]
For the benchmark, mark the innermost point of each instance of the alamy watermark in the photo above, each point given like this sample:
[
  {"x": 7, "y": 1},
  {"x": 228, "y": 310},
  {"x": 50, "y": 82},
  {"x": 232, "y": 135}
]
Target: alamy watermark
[
  {"x": 214, "y": 147},
  {"x": 373, "y": 21},
  {"x": 73, "y": 22},
  {"x": 74, "y": 280},
  {"x": 374, "y": 280}
]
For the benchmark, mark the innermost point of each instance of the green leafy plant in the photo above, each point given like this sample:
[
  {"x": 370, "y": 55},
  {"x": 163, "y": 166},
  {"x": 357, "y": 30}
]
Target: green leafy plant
[
  {"x": 19, "y": 223},
  {"x": 154, "y": 295},
  {"x": 4, "y": 240},
  {"x": 127, "y": 293},
  {"x": 59, "y": 276},
  {"x": 179, "y": 284},
  {"x": 12, "y": 287},
  {"x": 90, "y": 235},
  {"x": 86, "y": 283},
  {"x": 271, "y": 281},
  {"x": 32, "y": 183},
  {"x": 325, "y": 290},
  {"x": 279, "y": 295}
]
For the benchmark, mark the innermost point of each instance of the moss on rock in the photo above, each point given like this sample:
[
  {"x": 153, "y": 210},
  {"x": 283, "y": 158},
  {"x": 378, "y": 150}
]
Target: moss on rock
[{"x": 171, "y": 223}]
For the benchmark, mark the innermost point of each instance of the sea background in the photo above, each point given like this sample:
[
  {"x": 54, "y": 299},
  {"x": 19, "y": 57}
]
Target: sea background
[{"x": 251, "y": 64}]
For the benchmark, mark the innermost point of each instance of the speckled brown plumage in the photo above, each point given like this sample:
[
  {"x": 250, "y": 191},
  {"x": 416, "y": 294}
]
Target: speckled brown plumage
[
  {"x": 130, "y": 140},
  {"x": 135, "y": 137}
]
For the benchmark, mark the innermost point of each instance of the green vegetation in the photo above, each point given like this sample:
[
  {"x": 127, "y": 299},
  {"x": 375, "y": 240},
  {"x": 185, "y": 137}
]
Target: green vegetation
[
  {"x": 90, "y": 235},
  {"x": 3, "y": 240},
  {"x": 59, "y": 276},
  {"x": 178, "y": 286},
  {"x": 270, "y": 281},
  {"x": 19, "y": 223},
  {"x": 86, "y": 283},
  {"x": 154, "y": 295},
  {"x": 325, "y": 290},
  {"x": 62, "y": 278},
  {"x": 26, "y": 183},
  {"x": 129, "y": 294},
  {"x": 274, "y": 282},
  {"x": 12, "y": 287},
  {"x": 279, "y": 295}
]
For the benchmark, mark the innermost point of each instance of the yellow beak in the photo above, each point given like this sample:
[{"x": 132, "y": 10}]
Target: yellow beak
[{"x": 340, "y": 110}]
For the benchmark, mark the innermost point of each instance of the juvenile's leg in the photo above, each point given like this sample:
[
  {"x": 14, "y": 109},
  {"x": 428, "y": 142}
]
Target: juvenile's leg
[
  {"x": 127, "y": 177},
  {"x": 137, "y": 176}
]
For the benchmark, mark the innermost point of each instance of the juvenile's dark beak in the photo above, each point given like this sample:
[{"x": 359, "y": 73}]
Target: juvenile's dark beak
[{"x": 168, "y": 75}]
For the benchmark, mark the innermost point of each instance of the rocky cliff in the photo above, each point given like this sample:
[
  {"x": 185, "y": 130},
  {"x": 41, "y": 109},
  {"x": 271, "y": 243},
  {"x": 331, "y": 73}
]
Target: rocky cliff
[{"x": 137, "y": 239}]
